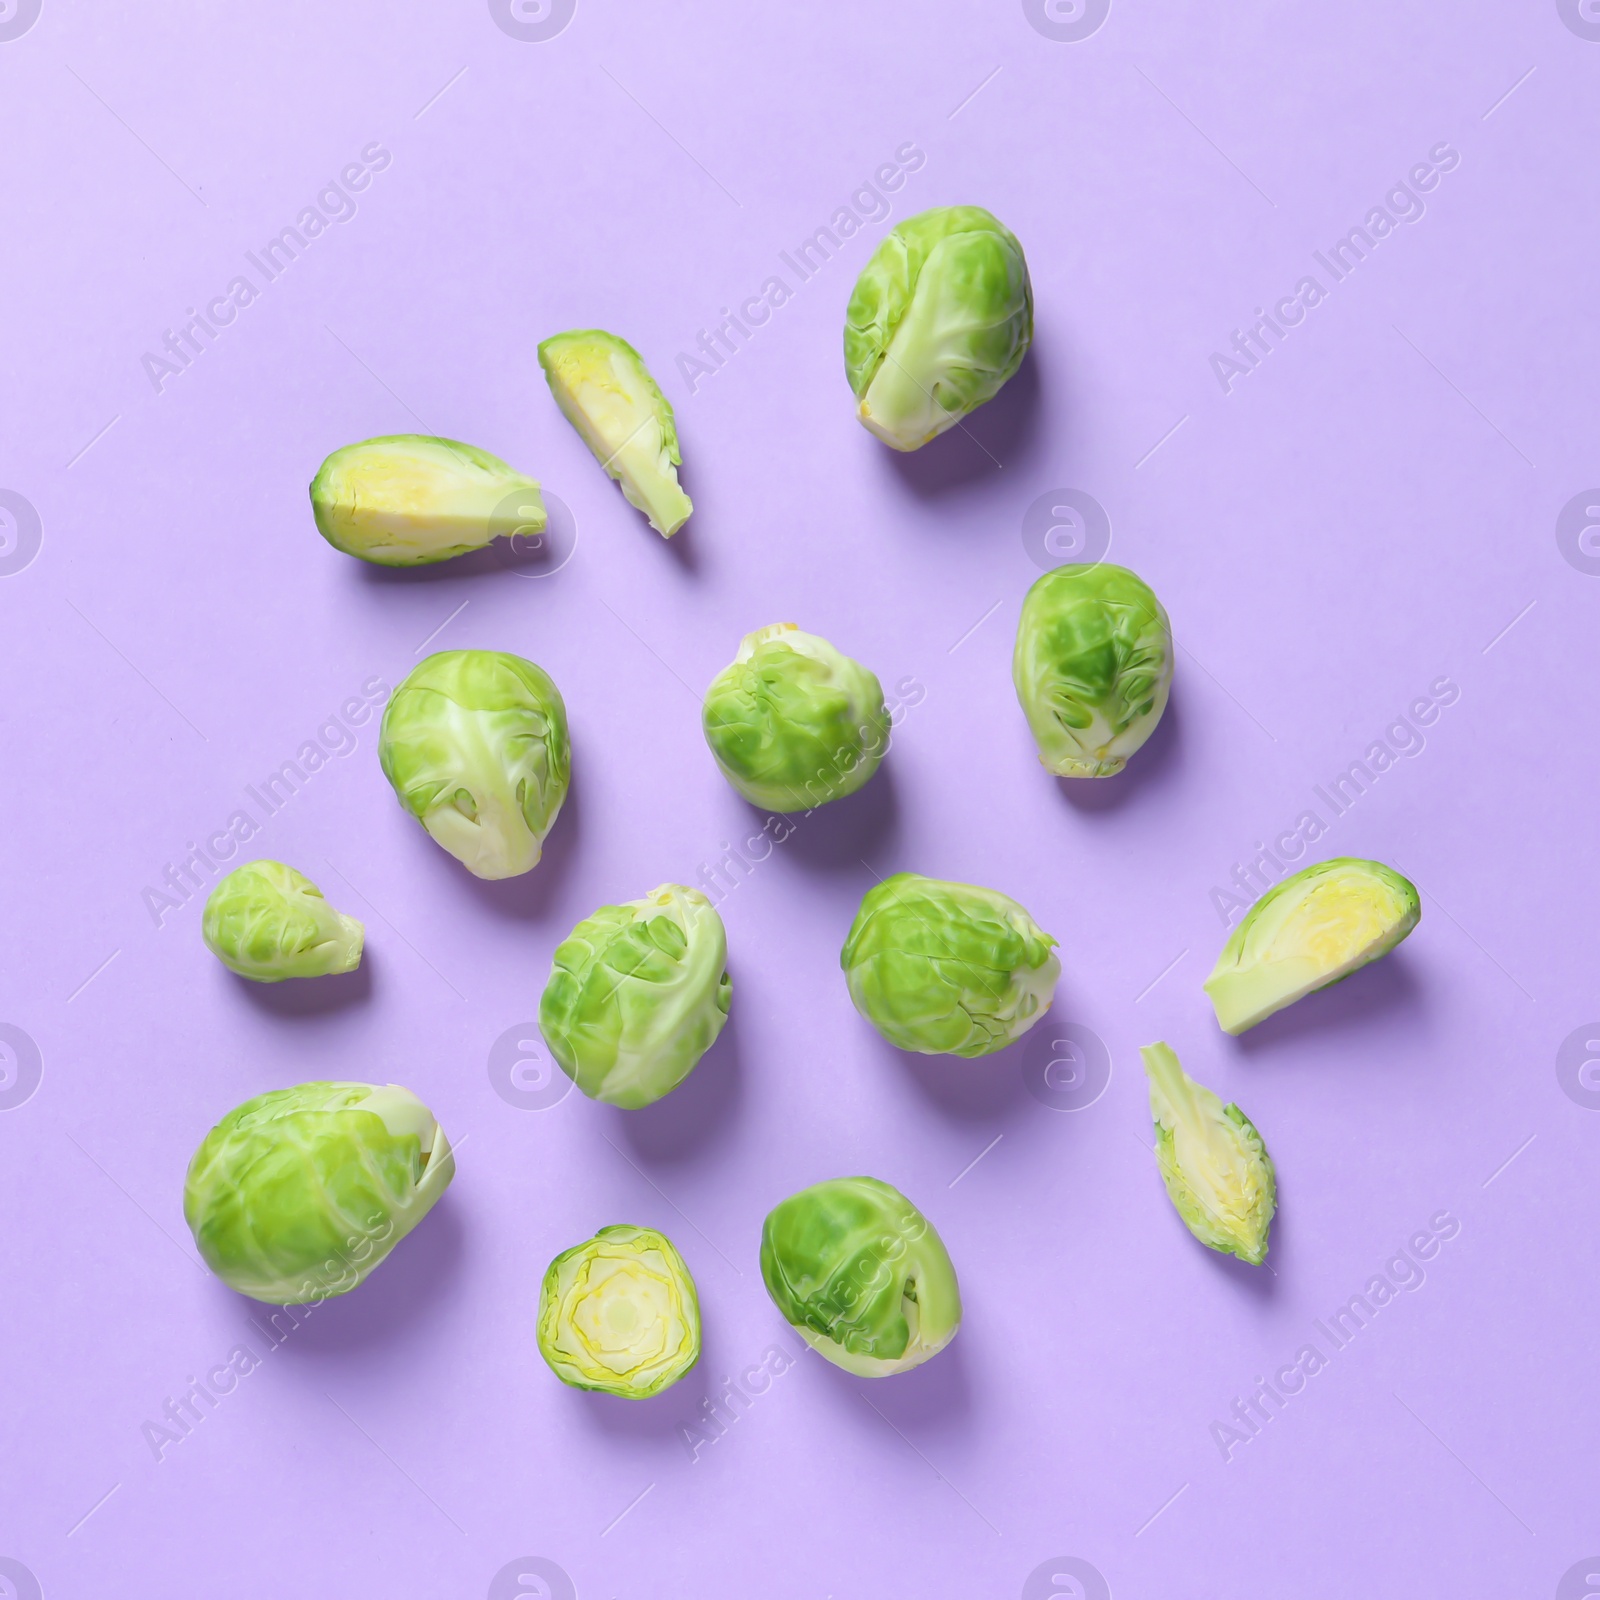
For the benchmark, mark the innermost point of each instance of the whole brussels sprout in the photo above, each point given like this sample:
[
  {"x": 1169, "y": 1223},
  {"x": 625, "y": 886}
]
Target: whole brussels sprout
[
  {"x": 637, "y": 994},
  {"x": 941, "y": 316},
  {"x": 295, "y": 1196},
  {"x": 792, "y": 722},
  {"x": 475, "y": 744},
  {"x": 947, "y": 968},
  {"x": 860, "y": 1275},
  {"x": 268, "y": 922},
  {"x": 1092, "y": 666},
  {"x": 619, "y": 1313}
]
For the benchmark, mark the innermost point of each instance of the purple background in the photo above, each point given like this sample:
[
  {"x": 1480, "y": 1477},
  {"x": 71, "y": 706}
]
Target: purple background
[{"x": 1364, "y": 514}]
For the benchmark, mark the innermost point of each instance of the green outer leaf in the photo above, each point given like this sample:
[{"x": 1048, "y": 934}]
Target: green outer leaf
[{"x": 268, "y": 922}]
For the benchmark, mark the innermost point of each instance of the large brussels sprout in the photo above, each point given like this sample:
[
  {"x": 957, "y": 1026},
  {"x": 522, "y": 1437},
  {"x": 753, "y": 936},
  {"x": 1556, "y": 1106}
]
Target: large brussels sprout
[
  {"x": 268, "y": 922},
  {"x": 619, "y": 1313},
  {"x": 947, "y": 968},
  {"x": 637, "y": 994},
  {"x": 1309, "y": 931},
  {"x": 408, "y": 498},
  {"x": 475, "y": 744},
  {"x": 1215, "y": 1166},
  {"x": 861, "y": 1276},
  {"x": 792, "y": 722},
  {"x": 941, "y": 316},
  {"x": 297, "y": 1195},
  {"x": 1092, "y": 666},
  {"x": 606, "y": 392}
]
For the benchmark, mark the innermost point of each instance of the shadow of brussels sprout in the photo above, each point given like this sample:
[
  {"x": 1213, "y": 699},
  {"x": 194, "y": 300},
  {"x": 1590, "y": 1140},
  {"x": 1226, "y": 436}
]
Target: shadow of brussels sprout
[
  {"x": 310, "y": 997},
  {"x": 660, "y": 1423},
  {"x": 931, "y": 1400},
  {"x": 842, "y": 832},
  {"x": 1262, "y": 1282},
  {"x": 1368, "y": 997},
  {"x": 700, "y": 1109},
  {"x": 1152, "y": 767}
]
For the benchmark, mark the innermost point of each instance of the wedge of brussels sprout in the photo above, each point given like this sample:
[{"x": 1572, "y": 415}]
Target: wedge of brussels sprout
[
  {"x": 408, "y": 498},
  {"x": 606, "y": 393},
  {"x": 1215, "y": 1166},
  {"x": 941, "y": 316},
  {"x": 1311, "y": 930},
  {"x": 793, "y": 722},
  {"x": 947, "y": 968},
  {"x": 860, "y": 1275},
  {"x": 475, "y": 744},
  {"x": 268, "y": 922},
  {"x": 1092, "y": 667},
  {"x": 295, "y": 1196},
  {"x": 637, "y": 994},
  {"x": 619, "y": 1313}
]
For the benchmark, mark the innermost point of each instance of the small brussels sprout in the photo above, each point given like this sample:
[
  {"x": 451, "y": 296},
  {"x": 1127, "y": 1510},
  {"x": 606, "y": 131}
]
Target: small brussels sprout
[
  {"x": 947, "y": 968},
  {"x": 860, "y": 1275},
  {"x": 792, "y": 722},
  {"x": 295, "y": 1196},
  {"x": 1311, "y": 930},
  {"x": 637, "y": 994},
  {"x": 619, "y": 1313},
  {"x": 475, "y": 744},
  {"x": 408, "y": 498},
  {"x": 268, "y": 922},
  {"x": 1215, "y": 1166},
  {"x": 606, "y": 392},
  {"x": 941, "y": 316},
  {"x": 1092, "y": 666}
]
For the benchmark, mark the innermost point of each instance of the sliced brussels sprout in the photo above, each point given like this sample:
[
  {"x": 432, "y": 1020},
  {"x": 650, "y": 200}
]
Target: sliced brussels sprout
[
  {"x": 941, "y": 316},
  {"x": 606, "y": 392},
  {"x": 295, "y": 1196},
  {"x": 619, "y": 1313},
  {"x": 1092, "y": 667},
  {"x": 268, "y": 922},
  {"x": 1215, "y": 1166},
  {"x": 947, "y": 968},
  {"x": 637, "y": 994},
  {"x": 408, "y": 498},
  {"x": 475, "y": 744},
  {"x": 1311, "y": 930},
  {"x": 860, "y": 1275}
]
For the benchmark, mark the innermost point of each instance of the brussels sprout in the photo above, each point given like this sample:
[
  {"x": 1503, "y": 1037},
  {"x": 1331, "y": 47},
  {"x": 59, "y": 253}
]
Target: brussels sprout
[
  {"x": 295, "y": 1196},
  {"x": 475, "y": 744},
  {"x": 1215, "y": 1166},
  {"x": 861, "y": 1276},
  {"x": 1092, "y": 666},
  {"x": 941, "y": 316},
  {"x": 792, "y": 722},
  {"x": 1311, "y": 930},
  {"x": 408, "y": 498},
  {"x": 619, "y": 1313},
  {"x": 947, "y": 968},
  {"x": 637, "y": 994},
  {"x": 268, "y": 922},
  {"x": 606, "y": 392}
]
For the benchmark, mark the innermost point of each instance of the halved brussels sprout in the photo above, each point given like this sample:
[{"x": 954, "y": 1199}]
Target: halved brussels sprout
[
  {"x": 409, "y": 498},
  {"x": 606, "y": 392},
  {"x": 295, "y": 1196},
  {"x": 941, "y": 316},
  {"x": 1215, "y": 1165},
  {"x": 475, "y": 744},
  {"x": 1092, "y": 667},
  {"x": 637, "y": 994},
  {"x": 268, "y": 922},
  {"x": 947, "y": 968},
  {"x": 860, "y": 1275},
  {"x": 793, "y": 722},
  {"x": 1311, "y": 930},
  {"x": 619, "y": 1313}
]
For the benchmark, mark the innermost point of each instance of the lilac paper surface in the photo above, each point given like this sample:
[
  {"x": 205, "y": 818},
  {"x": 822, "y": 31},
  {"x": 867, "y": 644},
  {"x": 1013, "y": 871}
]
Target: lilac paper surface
[{"x": 1357, "y": 522}]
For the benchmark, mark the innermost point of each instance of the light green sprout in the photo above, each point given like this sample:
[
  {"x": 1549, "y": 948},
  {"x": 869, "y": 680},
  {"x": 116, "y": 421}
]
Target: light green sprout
[
  {"x": 1092, "y": 667},
  {"x": 1307, "y": 932},
  {"x": 637, "y": 994},
  {"x": 941, "y": 316},
  {"x": 295, "y": 1196},
  {"x": 268, "y": 922},
  {"x": 475, "y": 744}
]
